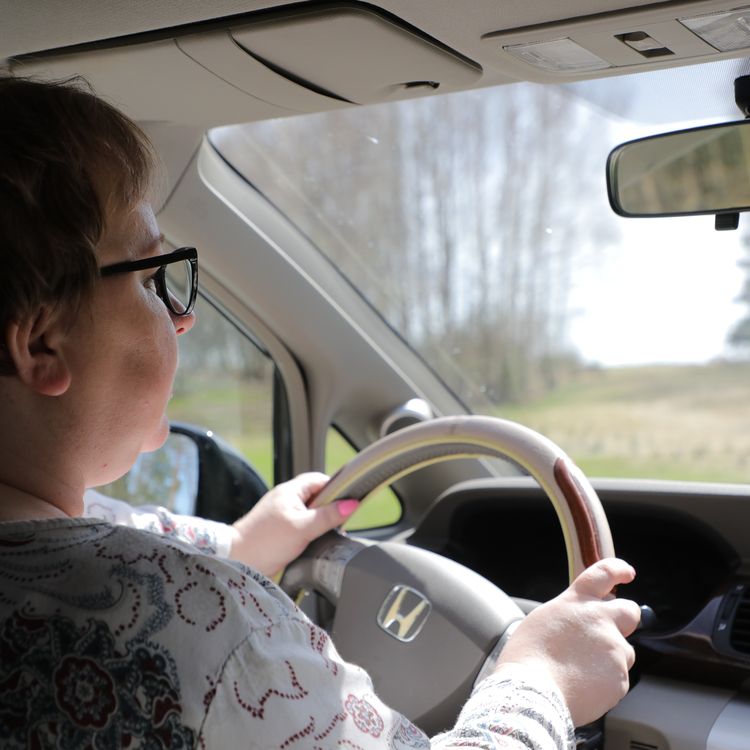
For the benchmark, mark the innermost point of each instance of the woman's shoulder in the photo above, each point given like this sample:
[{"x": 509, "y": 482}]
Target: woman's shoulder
[
  {"x": 197, "y": 582},
  {"x": 125, "y": 632},
  {"x": 79, "y": 561}
]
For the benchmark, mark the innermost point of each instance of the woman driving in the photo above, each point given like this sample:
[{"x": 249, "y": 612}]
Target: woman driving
[{"x": 118, "y": 637}]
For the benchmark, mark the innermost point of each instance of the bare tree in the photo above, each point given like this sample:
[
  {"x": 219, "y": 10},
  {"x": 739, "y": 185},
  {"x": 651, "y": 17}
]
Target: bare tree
[{"x": 459, "y": 216}]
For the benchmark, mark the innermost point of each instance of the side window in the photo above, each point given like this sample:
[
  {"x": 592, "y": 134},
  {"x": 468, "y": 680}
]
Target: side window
[
  {"x": 383, "y": 508},
  {"x": 224, "y": 384}
]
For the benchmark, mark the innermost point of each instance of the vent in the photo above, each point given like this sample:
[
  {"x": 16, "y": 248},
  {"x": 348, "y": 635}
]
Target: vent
[
  {"x": 635, "y": 745},
  {"x": 739, "y": 634}
]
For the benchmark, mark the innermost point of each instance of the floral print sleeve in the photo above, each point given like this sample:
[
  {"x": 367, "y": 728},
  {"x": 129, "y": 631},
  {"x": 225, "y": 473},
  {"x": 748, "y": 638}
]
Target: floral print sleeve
[
  {"x": 113, "y": 637},
  {"x": 210, "y": 537},
  {"x": 287, "y": 685},
  {"x": 308, "y": 698}
]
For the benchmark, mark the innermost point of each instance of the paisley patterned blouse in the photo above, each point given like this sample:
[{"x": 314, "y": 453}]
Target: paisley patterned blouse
[{"x": 114, "y": 637}]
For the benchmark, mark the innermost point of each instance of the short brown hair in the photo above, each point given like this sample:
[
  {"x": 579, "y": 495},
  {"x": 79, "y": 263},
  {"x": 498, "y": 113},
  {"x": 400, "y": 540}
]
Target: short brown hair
[{"x": 66, "y": 157}]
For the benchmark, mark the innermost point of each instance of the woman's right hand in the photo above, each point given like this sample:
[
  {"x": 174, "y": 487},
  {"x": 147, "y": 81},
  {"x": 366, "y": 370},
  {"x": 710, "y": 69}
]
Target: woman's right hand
[{"x": 578, "y": 640}]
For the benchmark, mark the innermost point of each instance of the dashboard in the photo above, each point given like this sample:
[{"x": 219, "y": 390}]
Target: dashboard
[
  {"x": 511, "y": 535},
  {"x": 690, "y": 546}
]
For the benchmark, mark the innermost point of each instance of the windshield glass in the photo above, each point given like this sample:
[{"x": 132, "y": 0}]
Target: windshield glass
[{"x": 478, "y": 225}]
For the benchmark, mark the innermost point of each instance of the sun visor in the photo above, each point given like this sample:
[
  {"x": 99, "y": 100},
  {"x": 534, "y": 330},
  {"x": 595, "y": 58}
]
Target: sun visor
[
  {"x": 356, "y": 54},
  {"x": 172, "y": 87}
]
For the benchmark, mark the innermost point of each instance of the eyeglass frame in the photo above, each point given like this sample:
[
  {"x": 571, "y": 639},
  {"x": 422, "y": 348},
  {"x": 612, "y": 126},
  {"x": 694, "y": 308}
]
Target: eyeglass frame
[{"x": 161, "y": 262}]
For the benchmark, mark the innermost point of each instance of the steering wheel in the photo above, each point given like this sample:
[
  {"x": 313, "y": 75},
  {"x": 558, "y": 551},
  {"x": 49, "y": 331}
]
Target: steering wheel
[{"x": 425, "y": 627}]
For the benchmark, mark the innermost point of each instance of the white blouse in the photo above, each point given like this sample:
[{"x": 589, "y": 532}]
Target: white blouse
[{"x": 112, "y": 637}]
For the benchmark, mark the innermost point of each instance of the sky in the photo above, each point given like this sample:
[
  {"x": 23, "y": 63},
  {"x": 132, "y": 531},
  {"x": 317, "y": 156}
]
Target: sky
[{"x": 666, "y": 293}]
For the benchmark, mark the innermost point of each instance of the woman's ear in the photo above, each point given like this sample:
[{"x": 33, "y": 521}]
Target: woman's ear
[{"x": 34, "y": 346}]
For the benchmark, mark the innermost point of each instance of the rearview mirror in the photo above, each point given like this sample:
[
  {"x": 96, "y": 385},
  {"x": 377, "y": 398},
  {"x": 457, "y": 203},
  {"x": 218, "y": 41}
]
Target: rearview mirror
[{"x": 698, "y": 171}]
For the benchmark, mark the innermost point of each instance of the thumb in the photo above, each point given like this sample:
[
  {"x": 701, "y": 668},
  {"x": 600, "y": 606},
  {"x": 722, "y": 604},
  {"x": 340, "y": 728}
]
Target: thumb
[{"x": 329, "y": 516}]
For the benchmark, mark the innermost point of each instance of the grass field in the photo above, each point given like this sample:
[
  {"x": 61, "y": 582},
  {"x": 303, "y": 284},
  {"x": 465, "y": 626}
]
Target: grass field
[{"x": 667, "y": 422}]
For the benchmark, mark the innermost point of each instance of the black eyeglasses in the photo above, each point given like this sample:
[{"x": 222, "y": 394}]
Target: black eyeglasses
[{"x": 179, "y": 290}]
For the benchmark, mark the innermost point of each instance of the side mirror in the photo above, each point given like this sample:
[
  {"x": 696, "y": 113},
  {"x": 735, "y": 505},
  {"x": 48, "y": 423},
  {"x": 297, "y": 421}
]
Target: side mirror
[
  {"x": 697, "y": 171},
  {"x": 194, "y": 473},
  {"x": 228, "y": 486}
]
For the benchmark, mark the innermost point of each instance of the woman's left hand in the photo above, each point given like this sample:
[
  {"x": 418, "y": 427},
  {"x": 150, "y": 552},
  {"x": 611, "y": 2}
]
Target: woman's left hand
[{"x": 280, "y": 526}]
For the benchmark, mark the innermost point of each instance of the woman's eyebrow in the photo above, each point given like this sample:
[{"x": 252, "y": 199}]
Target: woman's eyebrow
[{"x": 155, "y": 242}]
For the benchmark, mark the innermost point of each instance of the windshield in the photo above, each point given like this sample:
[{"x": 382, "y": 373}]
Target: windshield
[{"x": 478, "y": 225}]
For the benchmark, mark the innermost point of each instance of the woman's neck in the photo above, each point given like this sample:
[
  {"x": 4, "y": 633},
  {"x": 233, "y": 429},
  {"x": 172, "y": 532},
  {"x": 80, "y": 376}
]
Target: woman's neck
[
  {"x": 18, "y": 505},
  {"x": 36, "y": 480}
]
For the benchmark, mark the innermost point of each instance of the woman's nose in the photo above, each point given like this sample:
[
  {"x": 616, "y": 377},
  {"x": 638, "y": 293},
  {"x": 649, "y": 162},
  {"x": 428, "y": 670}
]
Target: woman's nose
[{"x": 183, "y": 323}]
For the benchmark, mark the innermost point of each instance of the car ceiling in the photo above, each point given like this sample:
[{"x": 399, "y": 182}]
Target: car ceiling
[
  {"x": 35, "y": 25},
  {"x": 180, "y": 67},
  {"x": 477, "y": 30}
]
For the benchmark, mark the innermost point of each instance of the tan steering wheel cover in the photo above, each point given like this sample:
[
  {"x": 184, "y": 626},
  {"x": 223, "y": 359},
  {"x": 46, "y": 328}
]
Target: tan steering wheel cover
[{"x": 584, "y": 524}]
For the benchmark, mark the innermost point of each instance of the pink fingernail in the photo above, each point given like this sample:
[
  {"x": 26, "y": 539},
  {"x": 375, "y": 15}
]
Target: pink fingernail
[{"x": 347, "y": 507}]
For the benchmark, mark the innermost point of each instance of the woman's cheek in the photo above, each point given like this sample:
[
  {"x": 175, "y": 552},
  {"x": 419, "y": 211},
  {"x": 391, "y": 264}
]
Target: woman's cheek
[
  {"x": 166, "y": 340},
  {"x": 158, "y": 437}
]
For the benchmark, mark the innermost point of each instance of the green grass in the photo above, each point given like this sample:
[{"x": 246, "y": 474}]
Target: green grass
[{"x": 671, "y": 422}]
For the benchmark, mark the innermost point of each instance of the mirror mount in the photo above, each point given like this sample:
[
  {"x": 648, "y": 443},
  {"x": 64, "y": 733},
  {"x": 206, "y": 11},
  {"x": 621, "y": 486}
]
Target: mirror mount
[
  {"x": 725, "y": 222},
  {"x": 742, "y": 94}
]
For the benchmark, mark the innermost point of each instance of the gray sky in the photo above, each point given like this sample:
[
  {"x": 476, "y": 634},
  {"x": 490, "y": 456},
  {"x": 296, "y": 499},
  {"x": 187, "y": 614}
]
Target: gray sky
[{"x": 664, "y": 294}]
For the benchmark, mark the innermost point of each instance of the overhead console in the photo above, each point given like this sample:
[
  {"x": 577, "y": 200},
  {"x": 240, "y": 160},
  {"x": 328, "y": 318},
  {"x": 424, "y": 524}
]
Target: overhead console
[{"x": 617, "y": 42}]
